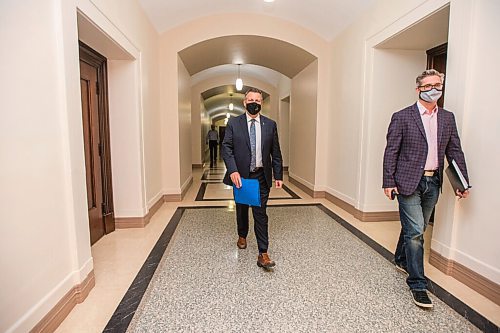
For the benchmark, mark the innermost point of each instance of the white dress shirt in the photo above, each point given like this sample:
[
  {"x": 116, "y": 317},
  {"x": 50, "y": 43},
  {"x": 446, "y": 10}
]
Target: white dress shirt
[{"x": 258, "y": 145}]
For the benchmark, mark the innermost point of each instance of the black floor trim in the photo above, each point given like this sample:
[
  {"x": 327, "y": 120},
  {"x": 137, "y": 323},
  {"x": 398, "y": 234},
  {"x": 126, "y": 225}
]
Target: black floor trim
[
  {"x": 460, "y": 307},
  {"x": 203, "y": 188},
  {"x": 121, "y": 318},
  {"x": 125, "y": 311}
]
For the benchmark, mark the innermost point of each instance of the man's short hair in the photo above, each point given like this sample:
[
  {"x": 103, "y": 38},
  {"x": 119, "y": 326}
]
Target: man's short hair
[
  {"x": 427, "y": 73},
  {"x": 254, "y": 90}
]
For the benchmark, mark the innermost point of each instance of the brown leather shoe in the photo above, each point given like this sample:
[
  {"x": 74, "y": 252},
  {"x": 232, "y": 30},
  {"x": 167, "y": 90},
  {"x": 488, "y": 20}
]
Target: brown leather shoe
[
  {"x": 264, "y": 261},
  {"x": 242, "y": 243}
]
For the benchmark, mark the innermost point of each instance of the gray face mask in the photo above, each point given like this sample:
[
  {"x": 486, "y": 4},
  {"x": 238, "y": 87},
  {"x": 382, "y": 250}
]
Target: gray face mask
[{"x": 431, "y": 95}]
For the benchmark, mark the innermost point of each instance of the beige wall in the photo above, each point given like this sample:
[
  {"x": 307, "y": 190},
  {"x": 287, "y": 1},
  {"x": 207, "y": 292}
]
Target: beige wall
[
  {"x": 41, "y": 219},
  {"x": 393, "y": 88},
  {"x": 132, "y": 23},
  {"x": 469, "y": 229},
  {"x": 303, "y": 111},
  {"x": 42, "y": 139},
  {"x": 185, "y": 130},
  {"x": 465, "y": 231}
]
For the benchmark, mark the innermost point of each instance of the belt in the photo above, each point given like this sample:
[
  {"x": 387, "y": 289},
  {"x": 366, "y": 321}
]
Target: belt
[
  {"x": 430, "y": 173},
  {"x": 256, "y": 169}
]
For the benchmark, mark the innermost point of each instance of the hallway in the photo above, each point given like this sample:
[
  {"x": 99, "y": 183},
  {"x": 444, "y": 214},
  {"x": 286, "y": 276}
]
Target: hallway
[
  {"x": 106, "y": 110},
  {"x": 203, "y": 279}
]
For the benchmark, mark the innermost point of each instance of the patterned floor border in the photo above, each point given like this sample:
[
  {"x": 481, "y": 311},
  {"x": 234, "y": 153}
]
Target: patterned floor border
[{"x": 121, "y": 318}]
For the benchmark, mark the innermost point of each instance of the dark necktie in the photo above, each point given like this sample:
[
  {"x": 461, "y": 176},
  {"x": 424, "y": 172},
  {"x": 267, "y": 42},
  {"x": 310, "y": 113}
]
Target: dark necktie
[{"x": 253, "y": 145}]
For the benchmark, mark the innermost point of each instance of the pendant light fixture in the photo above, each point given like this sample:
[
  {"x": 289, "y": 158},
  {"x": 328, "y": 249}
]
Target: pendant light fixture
[
  {"x": 231, "y": 105},
  {"x": 239, "y": 81}
]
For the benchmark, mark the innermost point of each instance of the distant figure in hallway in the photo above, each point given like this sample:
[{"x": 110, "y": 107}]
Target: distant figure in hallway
[
  {"x": 251, "y": 150},
  {"x": 212, "y": 142},
  {"x": 418, "y": 139}
]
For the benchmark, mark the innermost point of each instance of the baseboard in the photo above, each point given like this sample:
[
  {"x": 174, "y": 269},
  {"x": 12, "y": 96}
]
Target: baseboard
[
  {"x": 473, "y": 280},
  {"x": 303, "y": 187},
  {"x": 60, "y": 311},
  {"x": 185, "y": 187},
  {"x": 138, "y": 222},
  {"x": 360, "y": 215},
  {"x": 198, "y": 166}
]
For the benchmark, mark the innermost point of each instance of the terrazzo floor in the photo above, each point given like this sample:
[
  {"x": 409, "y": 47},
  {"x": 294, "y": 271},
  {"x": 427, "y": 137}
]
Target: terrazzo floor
[
  {"x": 216, "y": 287},
  {"x": 325, "y": 280}
]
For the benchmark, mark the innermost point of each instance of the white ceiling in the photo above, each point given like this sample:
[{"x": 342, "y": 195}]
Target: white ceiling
[{"x": 324, "y": 17}]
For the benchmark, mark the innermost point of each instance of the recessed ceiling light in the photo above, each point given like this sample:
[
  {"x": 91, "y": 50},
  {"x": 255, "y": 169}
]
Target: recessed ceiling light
[{"x": 268, "y": 0}]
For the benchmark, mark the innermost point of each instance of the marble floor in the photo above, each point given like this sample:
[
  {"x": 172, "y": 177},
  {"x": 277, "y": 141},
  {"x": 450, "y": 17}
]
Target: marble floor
[{"x": 119, "y": 256}]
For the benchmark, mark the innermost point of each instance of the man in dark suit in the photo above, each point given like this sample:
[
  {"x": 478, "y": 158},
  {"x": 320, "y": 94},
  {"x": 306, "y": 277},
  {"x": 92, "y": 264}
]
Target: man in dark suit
[
  {"x": 251, "y": 150},
  {"x": 418, "y": 139}
]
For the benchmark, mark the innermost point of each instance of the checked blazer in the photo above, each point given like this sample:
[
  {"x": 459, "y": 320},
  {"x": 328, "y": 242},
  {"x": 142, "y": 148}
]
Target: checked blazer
[
  {"x": 237, "y": 154},
  {"x": 406, "y": 150}
]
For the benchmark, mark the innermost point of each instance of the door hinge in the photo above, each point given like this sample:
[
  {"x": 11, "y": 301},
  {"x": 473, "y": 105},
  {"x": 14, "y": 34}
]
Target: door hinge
[
  {"x": 101, "y": 149},
  {"x": 97, "y": 87},
  {"x": 104, "y": 208}
]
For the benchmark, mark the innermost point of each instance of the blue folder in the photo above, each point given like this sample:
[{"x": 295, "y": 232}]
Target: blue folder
[{"x": 248, "y": 193}]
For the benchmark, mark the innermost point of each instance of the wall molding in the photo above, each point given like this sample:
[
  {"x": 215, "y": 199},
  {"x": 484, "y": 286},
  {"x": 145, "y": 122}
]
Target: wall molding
[
  {"x": 172, "y": 197},
  {"x": 138, "y": 222},
  {"x": 141, "y": 222},
  {"x": 360, "y": 215},
  {"x": 61, "y": 310},
  {"x": 473, "y": 280}
]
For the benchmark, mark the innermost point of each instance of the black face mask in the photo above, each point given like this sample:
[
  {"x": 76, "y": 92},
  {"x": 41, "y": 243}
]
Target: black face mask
[{"x": 253, "y": 108}]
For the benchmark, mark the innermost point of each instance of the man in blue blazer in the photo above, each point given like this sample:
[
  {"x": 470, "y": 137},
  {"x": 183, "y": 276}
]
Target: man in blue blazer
[
  {"x": 251, "y": 150},
  {"x": 418, "y": 139}
]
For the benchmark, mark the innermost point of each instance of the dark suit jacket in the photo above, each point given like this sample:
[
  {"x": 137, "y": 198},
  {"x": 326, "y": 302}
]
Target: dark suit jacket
[
  {"x": 406, "y": 150},
  {"x": 237, "y": 154}
]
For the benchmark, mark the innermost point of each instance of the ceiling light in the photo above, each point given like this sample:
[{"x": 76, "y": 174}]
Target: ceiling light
[
  {"x": 231, "y": 106},
  {"x": 268, "y": 0},
  {"x": 239, "y": 81},
  {"x": 228, "y": 115}
]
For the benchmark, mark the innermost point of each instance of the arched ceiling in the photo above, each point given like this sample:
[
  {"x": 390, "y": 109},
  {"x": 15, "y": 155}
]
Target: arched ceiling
[
  {"x": 326, "y": 18},
  {"x": 217, "y": 99},
  {"x": 285, "y": 58}
]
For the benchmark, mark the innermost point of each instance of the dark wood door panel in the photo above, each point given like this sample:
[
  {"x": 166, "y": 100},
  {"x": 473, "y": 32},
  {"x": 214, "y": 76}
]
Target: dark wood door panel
[{"x": 92, "y": 141}]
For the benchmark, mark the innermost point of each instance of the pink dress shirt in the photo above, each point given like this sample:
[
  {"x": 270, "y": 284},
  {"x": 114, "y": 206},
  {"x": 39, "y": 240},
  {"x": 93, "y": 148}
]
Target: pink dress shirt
[{"x": 429, "y": 119}]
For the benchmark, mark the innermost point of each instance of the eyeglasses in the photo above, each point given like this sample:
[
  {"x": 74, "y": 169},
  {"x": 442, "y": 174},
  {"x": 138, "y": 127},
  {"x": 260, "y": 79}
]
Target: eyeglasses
[{"x": 438, "y": 86}]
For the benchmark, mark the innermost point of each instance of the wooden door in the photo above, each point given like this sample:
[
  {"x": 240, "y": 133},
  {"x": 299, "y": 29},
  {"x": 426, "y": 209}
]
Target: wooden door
[
  {"x": 95, "y": 115},
  {"x": 436, "y": 59},
  {"x": 92, "y": 142}
]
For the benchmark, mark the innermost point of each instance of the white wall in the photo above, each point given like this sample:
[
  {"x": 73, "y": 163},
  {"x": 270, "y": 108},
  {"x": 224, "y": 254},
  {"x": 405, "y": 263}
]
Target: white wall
[
  {"x": 43, "y": 192},
  {"x": 284, "y": 131},
  {"x": 392, "y": 88},
  {"x": 185, "y": 131},
  {"x": 303, "y": 111},
  {"x": 131, "y": 22},
  {"x": 465, "y": 232},
  {"x": 44, "y": 228},
  {"x": 126, "y": 140},
  {"x": 469, "y": 229}
]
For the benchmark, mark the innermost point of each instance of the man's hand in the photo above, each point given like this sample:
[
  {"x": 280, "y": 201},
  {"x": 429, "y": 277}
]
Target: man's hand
[
  {"x": 388, "y": 191},
  {"x": 278, "y": 183},
  {"x": 462, "y": 195},
  {"x": 236, "y": 179}
]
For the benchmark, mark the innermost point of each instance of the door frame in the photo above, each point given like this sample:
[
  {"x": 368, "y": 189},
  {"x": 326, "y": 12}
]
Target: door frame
[{"x": 93, "y": 58}]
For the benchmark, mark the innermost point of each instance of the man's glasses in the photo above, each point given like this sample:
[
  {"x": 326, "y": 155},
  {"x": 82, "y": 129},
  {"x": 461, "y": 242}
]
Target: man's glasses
[{"x": 438, "y": 86}]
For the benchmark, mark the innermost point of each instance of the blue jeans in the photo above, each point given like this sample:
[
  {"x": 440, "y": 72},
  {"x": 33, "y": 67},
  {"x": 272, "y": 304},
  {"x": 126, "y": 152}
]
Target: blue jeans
[{"x": 415, "y": 211}]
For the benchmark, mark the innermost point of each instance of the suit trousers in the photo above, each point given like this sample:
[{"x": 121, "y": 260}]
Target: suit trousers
[
  {"x": 259, "y": 214},
  {"x": 212, "y": 144}
]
